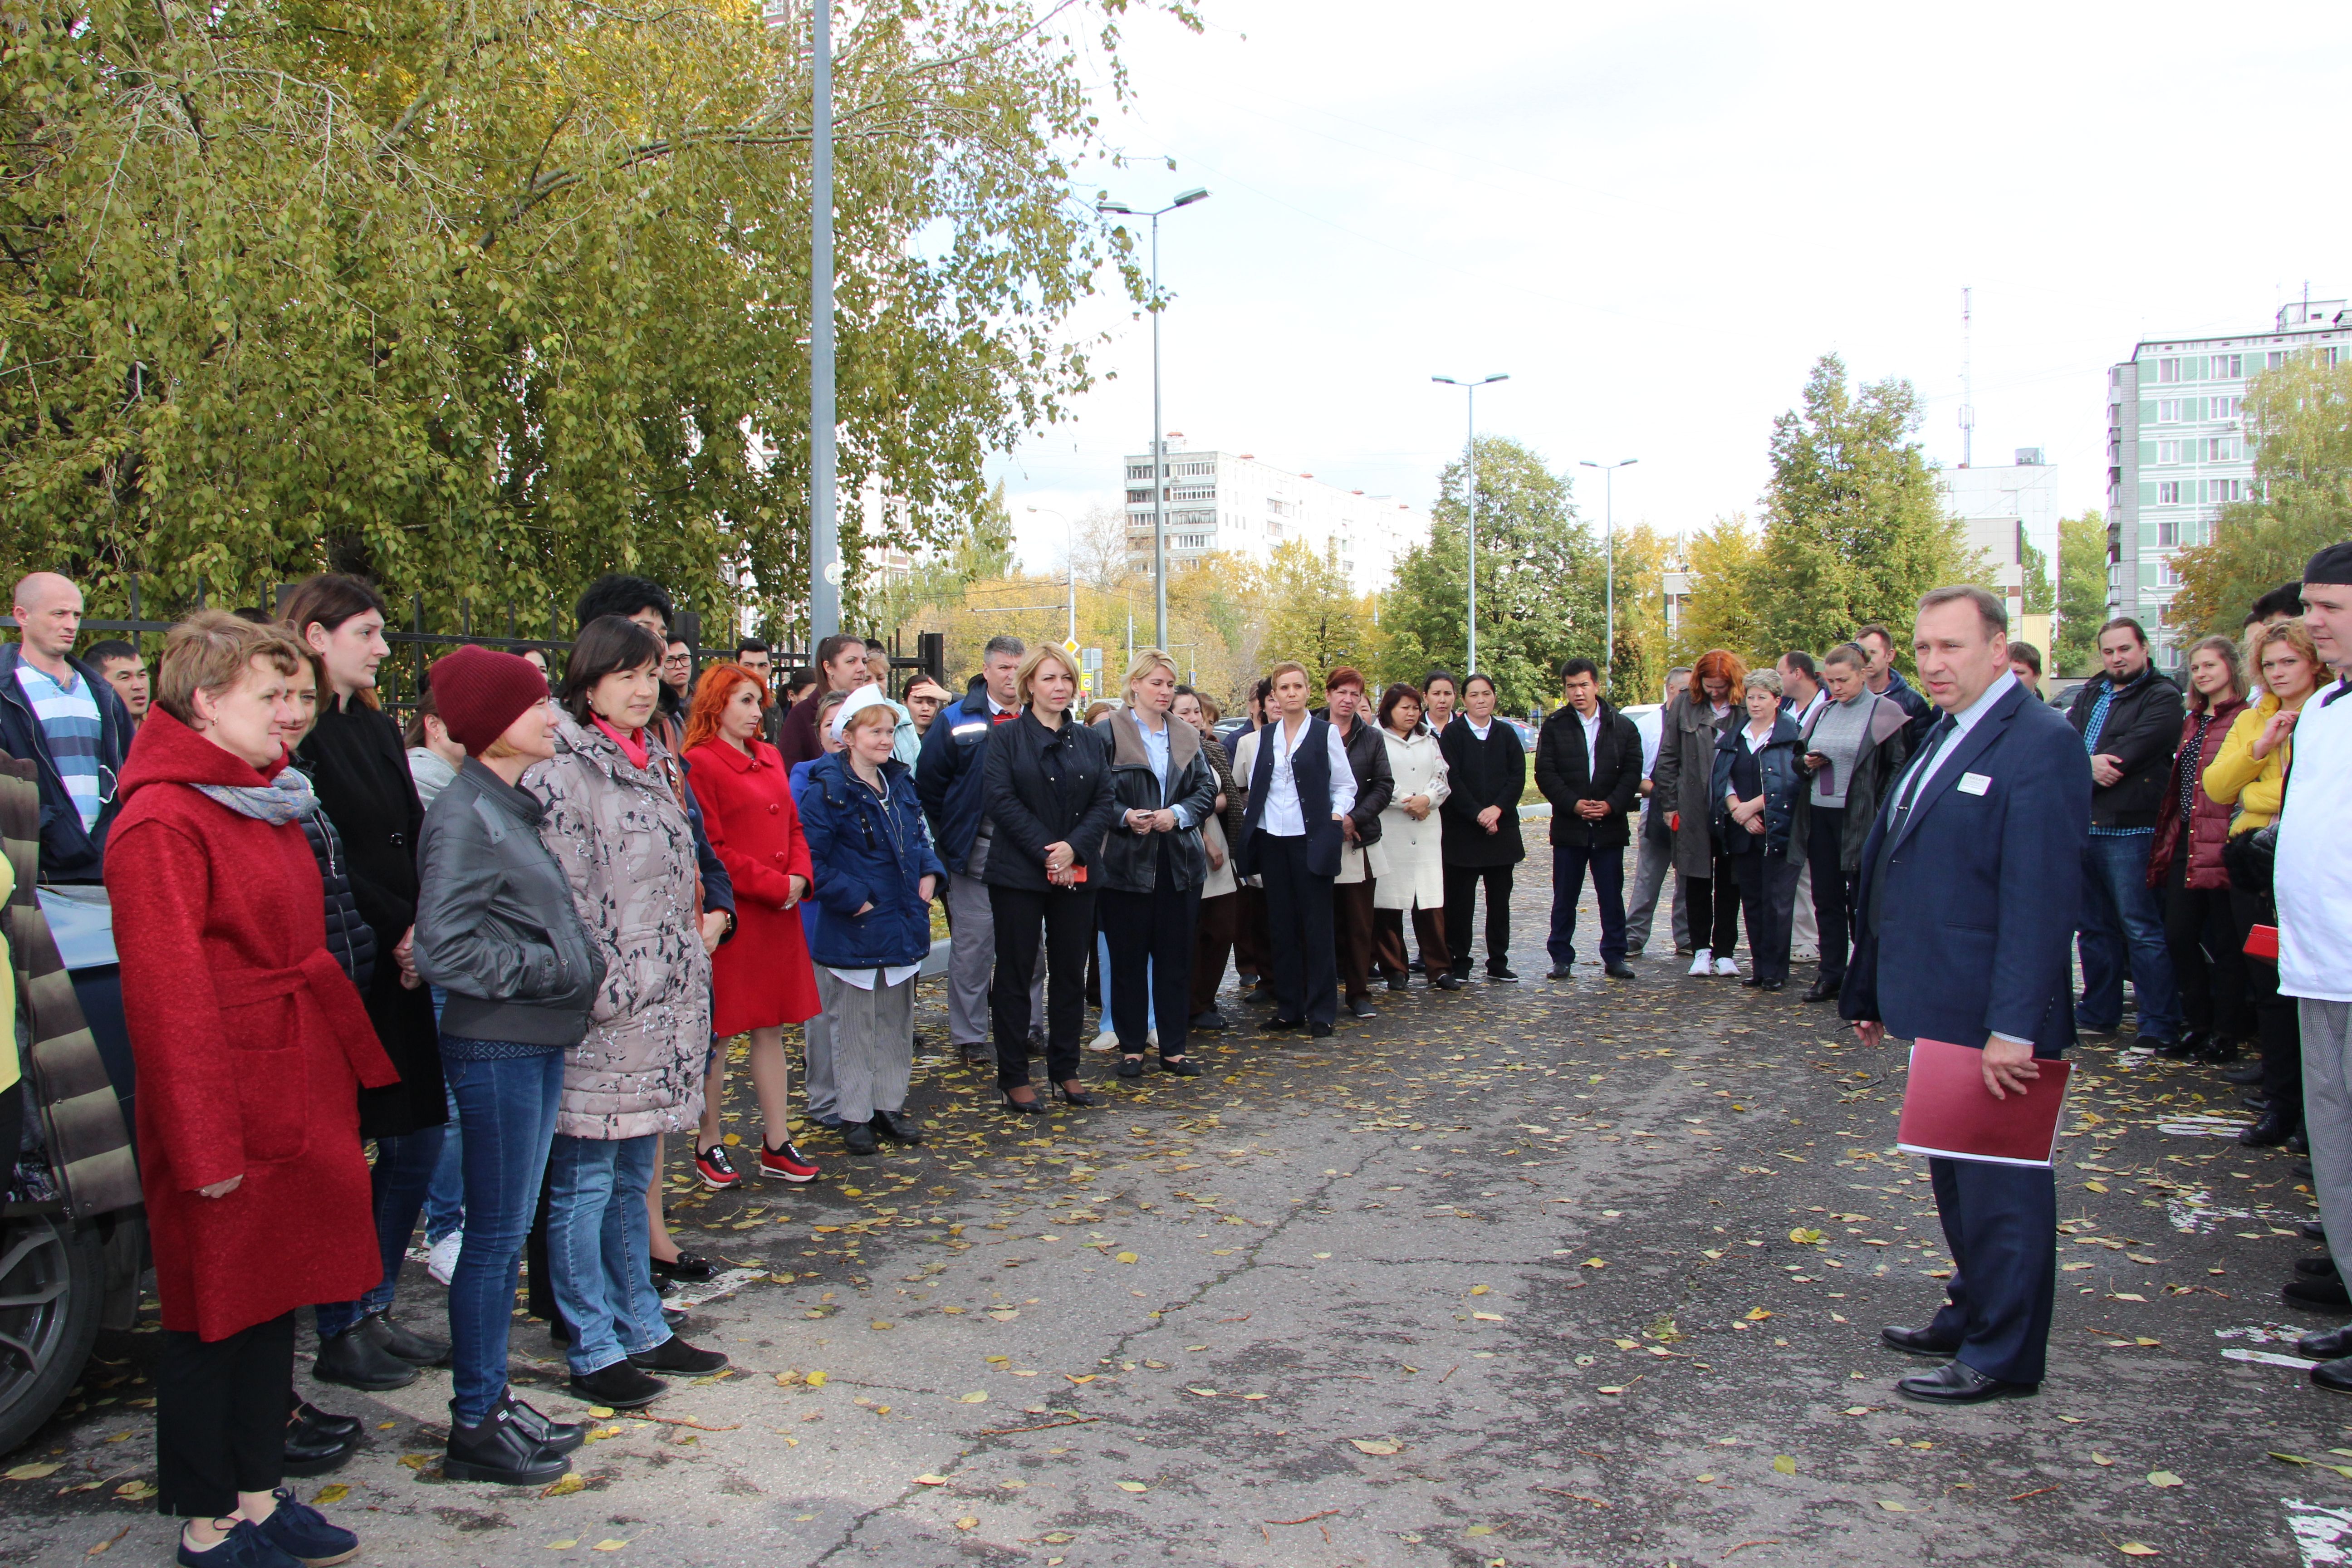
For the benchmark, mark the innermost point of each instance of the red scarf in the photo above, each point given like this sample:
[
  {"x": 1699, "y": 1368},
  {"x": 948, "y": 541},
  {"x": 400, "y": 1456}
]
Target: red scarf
[{"x": 633, "y": 746}]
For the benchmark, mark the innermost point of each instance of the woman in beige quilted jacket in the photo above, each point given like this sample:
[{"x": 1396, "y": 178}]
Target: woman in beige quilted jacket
[{"x": 617, "y": 827}]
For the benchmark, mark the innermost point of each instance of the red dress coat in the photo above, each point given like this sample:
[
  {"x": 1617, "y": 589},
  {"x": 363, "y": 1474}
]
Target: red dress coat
[
  {"x": 251, "y": 1046},
  {"x": 2209, "y": 819},
  {"x": 762, "y": 978}
]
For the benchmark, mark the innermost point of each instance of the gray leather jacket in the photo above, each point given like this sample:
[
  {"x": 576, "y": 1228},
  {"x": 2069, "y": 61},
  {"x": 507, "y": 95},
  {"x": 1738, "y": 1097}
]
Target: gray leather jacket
[{"x": 496, "y": 923}]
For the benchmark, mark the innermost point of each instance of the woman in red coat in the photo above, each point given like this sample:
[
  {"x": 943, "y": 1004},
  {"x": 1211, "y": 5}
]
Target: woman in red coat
[
  {"x": 251, "y": 1048},
  {"x": 2184, "y": 866},
  {"x": 762, "y": 980}
]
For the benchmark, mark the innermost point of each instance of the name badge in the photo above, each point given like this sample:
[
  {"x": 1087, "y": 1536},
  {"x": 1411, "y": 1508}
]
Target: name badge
[{"x": 1974, "y": 784}]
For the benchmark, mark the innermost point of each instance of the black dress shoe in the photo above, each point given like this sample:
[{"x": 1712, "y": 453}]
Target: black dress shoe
[
  {"x": 2274, "y": 1128},
  {"x": 1206, "y": 1020},
  {"x": 1400, "y": 982},
  {"x": 311, "y": 1451},
  {"x": 2307, "y": 1293},
  {"x": 562, "y": 1437},
  {"x": 1131, "y": 1066},
  {"x": 686, "y": 1269},
  {"x": 674, "y": 1354},
  {"x": 1319, "y": 1031},
  {"x": 2325, "y": 1344},
  {"x": 2298, "y": 1142},
  {"x": 1750, "y": 981},
  {"x": 355, "y": 1361},
  {"x": 1501, "y": 976},
  {"x": 2185, "y": 1048},
  {"x": 500, "y": 1449},
  {"x": 1619, "y": 970},
  {"x": 2312, "y": 1230},
  {"x": 1179, "y": 1066},
  {"x": 1771, "y": 985},
  {"x": 1957, "y": 1383},
  {"x": 1279, "y": 1022},
  {"x": 1916, "y": 1341},
  {"x": 1361, "y": 1007},
  {"x": 1447, "y": 982},
  {"x": 1562, "y": 971},
  {"x": 2257, "y": 1100},
  {"x": 2334, "y": 1376},
  {"x": 858, "y": 1138},
  {"x": 897, "y": 1126},
  {"x": 414, "y": 1349},
  {"x": 2250, "y": 1073},
  {"x": 2320, "y": 1267},
  {"x": 620, "y": 1386},
  {"x": 1823, "y": 990},
  {"x": 310, "y": 1416},
  {"x": 1261, "y": 993}
]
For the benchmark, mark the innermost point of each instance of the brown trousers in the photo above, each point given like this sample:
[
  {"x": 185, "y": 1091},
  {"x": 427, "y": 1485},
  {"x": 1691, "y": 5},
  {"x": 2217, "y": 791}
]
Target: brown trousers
[
  {"x": 1428, "y": 928},
  {"x": 1351, "y": 933},
  {"x": 1213, "y": 938},
  {"x": 1251, "y": 940}
]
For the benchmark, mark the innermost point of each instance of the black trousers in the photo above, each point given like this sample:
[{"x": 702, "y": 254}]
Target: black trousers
[
  {"x": 1150, "y": 936},
  {"x": 1715, "y": 907},
  {"x": 1301, "y": 961},
  {"x": 2209, "y": 963},
  {"x": 220, "y": 1417},
  {"x": 1767, "y": 892},
  {"x": 1066, "y": 917},
  {"x": 1217, "y": 917},
  {"x": 1249, "y": 936},
  {"x": 1833, "y": 894},
  {"x": 2277, "y": 1023},
  {"x": 1461, "y": 891}
]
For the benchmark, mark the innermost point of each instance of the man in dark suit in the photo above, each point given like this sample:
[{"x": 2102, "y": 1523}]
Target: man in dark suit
[
  {"x": 1965, "y": 923},
  {"x": 1589, "y": 765}
]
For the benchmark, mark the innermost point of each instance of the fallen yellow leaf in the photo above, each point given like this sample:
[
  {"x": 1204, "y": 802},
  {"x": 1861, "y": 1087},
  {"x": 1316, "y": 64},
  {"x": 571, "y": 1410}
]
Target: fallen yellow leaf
[
  {"x": 1131, "y": 1486},
  {"x": 815, "y": 1380},
  {"x": 609, "y": 1544},
  {"x": 1489, "y": 1317},
  {"x": 977, "y": 1396},
  {"x": 1477, "y": 1290},
  {"x": 1784, "y": 1464},
  {"x": 1757, "y": 1314},
  {"x": 2164, "y": 1478},
  {"x": 2138, "y": 1549},
  {"x": 34, "y": 1472},
  {"x": 563, "y": 1545},
  {"x": 930, "y": 1481},
  {"x": 1382, "y": 1445},
  {"x": 332, "y": 1493},
  {"x": 967, "y": 1523},
  {"x": 1129, "y": 1257},
  {"x": 565, "y": 1487}
]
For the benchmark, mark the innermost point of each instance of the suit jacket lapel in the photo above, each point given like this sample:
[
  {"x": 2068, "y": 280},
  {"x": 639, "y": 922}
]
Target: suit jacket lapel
[{"x": 1959, "y": 754}]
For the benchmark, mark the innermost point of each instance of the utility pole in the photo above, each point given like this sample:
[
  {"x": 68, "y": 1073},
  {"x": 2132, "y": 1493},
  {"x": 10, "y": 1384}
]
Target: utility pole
[
  {"x": 1159, "y": 434},
  {"x": 1470, "y": 494},
  {"x": 1609, "y": 536},
  {"x": 825, "y": 525}
]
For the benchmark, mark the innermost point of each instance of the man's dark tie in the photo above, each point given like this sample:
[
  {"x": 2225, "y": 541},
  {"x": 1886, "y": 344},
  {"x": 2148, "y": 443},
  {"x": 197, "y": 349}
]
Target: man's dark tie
[{"x": 1908, "y": 797}]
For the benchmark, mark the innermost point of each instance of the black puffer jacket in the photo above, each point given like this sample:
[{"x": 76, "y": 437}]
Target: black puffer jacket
[
  {"x": 1130, "y": 860},
  {"x": 2141, "y": 731},
  {"x": 1042, "y": 786},
  {"x": 351, "y": 939},
  {"x": 1368, "y": 759}
]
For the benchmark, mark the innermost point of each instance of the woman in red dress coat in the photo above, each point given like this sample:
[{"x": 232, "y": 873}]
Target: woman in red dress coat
[
  {"x": 762, "y": 980},
  {"x": 251, "y": 1048}
]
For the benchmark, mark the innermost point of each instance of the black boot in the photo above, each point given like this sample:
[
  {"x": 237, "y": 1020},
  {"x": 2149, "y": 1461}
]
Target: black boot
[
  {"x": 313, "y": 1449},
  {"x": 394, "y": 1339},
  {"x": 500, "y": 1449},
  {"x": 555, "y": 1436},
  {"x": 353, "y": 1359},
  {"x": 2275, "y": 1127}
]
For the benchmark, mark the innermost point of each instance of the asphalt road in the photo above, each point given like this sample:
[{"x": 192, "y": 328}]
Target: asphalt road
[{"x": 1556, "y": 1273}]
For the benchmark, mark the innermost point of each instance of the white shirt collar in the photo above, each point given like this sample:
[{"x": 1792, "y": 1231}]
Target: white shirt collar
[{"x": 1966, "y": 718}]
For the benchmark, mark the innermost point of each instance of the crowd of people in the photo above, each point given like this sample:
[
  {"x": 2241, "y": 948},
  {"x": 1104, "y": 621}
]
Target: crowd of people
[{"x": 510, "y": 947}]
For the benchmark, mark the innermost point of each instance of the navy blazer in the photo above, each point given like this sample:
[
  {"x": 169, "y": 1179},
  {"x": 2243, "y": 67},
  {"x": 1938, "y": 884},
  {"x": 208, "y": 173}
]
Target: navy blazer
[
  {"x": 1975, "y": 922},
  {"x": 1311, "y": 767}
]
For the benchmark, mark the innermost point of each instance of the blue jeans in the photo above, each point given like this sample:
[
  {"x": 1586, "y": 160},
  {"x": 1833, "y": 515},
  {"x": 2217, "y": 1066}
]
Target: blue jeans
[
  {"x": 444, "y": 1200},
  {"x": 1568, "y": 864},
  {"x": 2122, "y": 922},
  {"x": 403, "y": 1169},
  {"x": 597, "y": 1248},
  {"x": 506, "y": 1109}
]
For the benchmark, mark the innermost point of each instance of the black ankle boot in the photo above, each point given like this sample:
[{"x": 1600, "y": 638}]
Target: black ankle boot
[
  {"x": 353, "y": 1359},
  {"x": 500, "y": 1450},
  {"x": 2275, "y": 1127},
  {"x": 555, "y": 1436}
]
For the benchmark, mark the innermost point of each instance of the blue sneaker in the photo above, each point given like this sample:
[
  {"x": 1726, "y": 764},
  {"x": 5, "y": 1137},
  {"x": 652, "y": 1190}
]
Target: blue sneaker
[
  {"x": 242, "y": 1547},
  {"x": 302, "y": 1532}
]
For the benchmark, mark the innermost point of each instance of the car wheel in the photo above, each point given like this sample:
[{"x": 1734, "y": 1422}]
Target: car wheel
[{"x": 52, "y": 1294}]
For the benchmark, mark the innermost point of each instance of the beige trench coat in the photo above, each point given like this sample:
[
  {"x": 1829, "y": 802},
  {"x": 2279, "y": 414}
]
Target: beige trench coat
[{"x": 1416, "y": 873}]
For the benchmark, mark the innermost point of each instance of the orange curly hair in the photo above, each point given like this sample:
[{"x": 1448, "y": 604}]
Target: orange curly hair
[{"x": 710, "y": 694}]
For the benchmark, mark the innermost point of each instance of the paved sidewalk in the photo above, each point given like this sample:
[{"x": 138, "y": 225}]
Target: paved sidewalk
[{"x": 1554, "y": 1273}]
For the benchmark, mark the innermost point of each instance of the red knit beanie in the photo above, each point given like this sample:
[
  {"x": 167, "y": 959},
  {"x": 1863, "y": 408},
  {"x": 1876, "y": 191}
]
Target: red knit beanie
[{"x": 480, "y": 692}]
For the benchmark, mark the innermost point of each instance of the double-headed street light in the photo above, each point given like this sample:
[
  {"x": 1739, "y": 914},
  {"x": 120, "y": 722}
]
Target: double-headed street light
[
  {"x": 1470, "y": 494},
  {"x": 1158, "y": 441},
  {"x": 1609, "y": 535}
]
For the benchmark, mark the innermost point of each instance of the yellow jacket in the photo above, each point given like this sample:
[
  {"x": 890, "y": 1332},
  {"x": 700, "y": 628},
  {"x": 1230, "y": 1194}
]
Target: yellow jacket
[{"x": 2237, "y": 777}]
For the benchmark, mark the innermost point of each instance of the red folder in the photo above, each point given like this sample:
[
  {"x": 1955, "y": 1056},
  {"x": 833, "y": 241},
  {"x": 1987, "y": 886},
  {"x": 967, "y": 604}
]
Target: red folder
[{"x": 1949, "y": 1111}]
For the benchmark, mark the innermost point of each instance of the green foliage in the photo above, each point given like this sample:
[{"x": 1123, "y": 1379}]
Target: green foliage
[
  {"x": 1313, "y": 615},
  {"x": 1540, "y": 581},
  {"x": 1854, "y": 528},
  {"x": 1724, "y": 562},
  {"x": 2082, "y": 593},
  {"x": 483, "y": 299},
  {"x": 2041, "y": 592}
]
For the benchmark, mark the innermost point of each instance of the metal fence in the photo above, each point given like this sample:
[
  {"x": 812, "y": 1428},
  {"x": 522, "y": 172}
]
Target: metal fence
[{"x": 400, "y": 680}]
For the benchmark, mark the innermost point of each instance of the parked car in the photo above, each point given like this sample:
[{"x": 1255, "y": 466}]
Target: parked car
[{"x": 1228, "y": 730}]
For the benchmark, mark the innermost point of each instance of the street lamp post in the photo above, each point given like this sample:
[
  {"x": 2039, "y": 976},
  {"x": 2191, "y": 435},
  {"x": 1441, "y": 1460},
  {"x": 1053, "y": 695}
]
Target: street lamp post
[
  {"x": 1609, "y": 537},
  {"x": 1470, "y": 495},
  {"x": 1159, "y": 440},
  {"x": 1073, "y": 549}
]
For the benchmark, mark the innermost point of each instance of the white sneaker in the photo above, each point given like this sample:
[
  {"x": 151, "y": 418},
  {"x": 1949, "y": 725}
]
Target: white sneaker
[
  {"x": 1704, "y": 964},
  {"x": 1106, "y": 1041},
  {"x": 1151, "y": 1038},
  {"x": 1726, "y": 966},
  {"x": 442, "y": 1261}
]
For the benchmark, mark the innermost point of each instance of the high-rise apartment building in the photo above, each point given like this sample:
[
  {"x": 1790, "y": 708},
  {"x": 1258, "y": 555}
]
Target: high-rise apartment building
[
  {"x": 1232, "y": 502},
  {"x": 2001, "y": 510},
  {"x": 2177, "y": 450}
]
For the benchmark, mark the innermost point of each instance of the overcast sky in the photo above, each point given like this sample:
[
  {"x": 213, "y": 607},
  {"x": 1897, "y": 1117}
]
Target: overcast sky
[{"x": 1655, "y": 218}]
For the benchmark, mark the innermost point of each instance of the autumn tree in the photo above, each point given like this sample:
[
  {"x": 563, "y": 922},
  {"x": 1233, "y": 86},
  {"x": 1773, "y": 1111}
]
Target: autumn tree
[
  {"x": 2082, "y": 593},
  {"x": 1724, "y": 561},
  {"x": 1313, "y": 613}
]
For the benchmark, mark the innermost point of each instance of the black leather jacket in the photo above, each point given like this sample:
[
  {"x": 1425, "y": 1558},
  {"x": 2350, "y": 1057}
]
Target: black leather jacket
[
  {"x": 1042, "y": 786},
  {"x": 1130, "y": 860},
  {"x": 496, "y": 923},
  {"x": 2142, "y": 730}
]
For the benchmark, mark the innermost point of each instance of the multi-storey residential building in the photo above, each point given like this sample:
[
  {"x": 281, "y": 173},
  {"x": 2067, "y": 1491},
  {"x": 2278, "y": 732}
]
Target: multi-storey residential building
[
  {"x": 2177, "y": 451},
  {"x": 1232, "y": 502},
  {"x": 2002, "y": 510}
]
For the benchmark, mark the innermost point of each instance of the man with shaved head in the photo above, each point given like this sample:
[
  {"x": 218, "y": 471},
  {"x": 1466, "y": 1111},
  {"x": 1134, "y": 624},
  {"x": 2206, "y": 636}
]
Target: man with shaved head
[{"x": 59, "y": 714}]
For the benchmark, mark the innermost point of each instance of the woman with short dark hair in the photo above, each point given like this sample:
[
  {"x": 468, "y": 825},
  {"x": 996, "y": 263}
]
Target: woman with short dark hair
[{"x": 1488, "y": 768}]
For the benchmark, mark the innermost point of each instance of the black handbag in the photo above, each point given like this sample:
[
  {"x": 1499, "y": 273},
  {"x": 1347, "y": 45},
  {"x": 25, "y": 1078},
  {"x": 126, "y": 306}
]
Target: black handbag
[{"x": 2252, "y": 861}]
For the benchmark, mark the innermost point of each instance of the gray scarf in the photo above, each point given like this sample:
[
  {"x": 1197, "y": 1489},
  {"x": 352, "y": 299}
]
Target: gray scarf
[{"x": 288, "y": 798}]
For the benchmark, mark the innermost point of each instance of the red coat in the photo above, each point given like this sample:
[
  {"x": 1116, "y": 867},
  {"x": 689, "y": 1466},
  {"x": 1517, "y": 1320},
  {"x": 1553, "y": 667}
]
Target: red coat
[
  {"x": 250, "y": 1043},
  {"x": 763, "y": 977},
  {"x": 2209, "y": 820}
]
